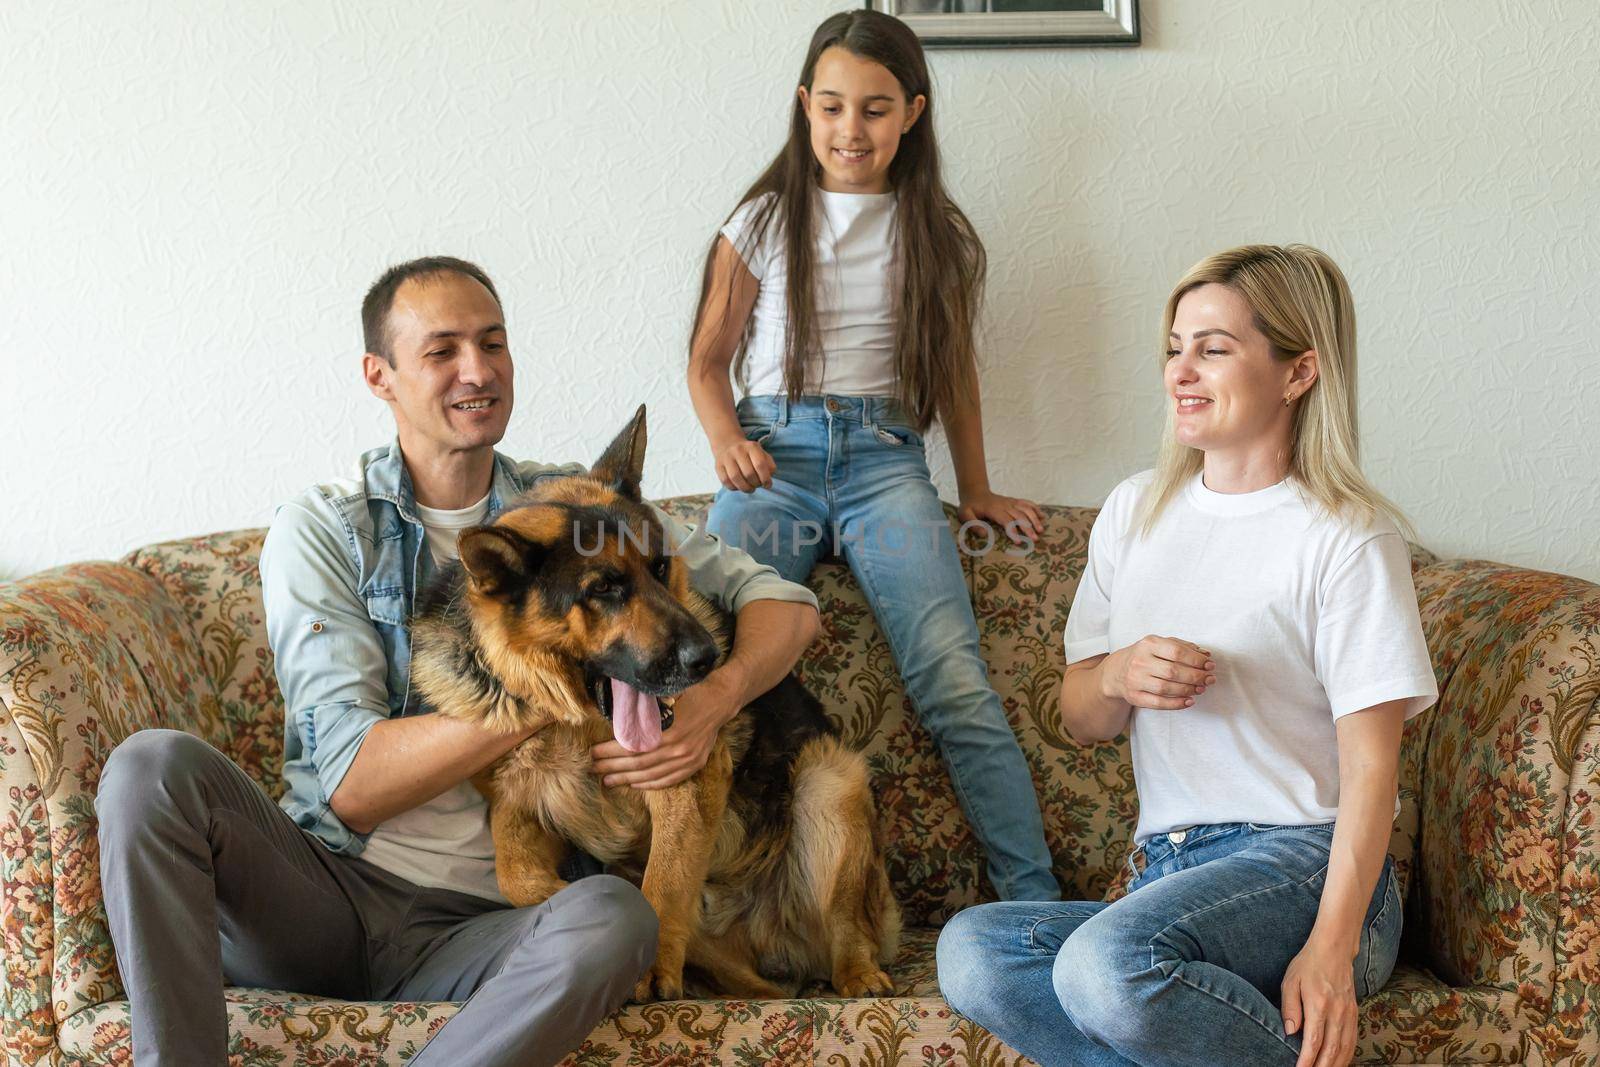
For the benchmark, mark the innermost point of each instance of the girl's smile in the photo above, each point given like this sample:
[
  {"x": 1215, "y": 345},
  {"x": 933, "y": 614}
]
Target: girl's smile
[{"x": 857, "y": 111}]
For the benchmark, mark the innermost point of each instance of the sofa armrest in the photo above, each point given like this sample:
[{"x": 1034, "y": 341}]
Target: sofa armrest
[
  {"x": 27, "y": 1023},
  {"x": 1508, "y": 873},
  {"x": 88, "y": 654},
  {"x": 1571, "y": 1030}
]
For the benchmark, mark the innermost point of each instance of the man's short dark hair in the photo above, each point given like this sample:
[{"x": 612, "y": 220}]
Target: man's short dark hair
[{"x": 380, "y": 298}]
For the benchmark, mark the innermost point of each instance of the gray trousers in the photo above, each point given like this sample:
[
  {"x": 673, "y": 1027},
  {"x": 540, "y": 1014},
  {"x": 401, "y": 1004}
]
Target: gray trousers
[{"x": 207, "y": 881}]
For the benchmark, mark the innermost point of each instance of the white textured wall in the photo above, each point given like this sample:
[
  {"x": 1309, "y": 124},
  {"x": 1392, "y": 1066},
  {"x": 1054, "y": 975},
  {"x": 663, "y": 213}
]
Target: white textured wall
[{"x": 193, "y": 197}]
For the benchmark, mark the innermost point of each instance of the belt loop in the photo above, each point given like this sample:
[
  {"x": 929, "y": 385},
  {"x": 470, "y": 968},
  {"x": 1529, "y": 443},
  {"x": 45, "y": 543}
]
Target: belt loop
[
  {"x": 783, "y": 409},
  {"x": 869, "y": 412}
]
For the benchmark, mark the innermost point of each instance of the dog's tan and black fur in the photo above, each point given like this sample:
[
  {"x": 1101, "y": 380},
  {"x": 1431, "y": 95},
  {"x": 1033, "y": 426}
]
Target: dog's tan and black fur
[{"x": 764, "y": 867}]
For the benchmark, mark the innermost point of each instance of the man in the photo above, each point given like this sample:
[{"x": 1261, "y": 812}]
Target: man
[{"x": 375, "y": 880}]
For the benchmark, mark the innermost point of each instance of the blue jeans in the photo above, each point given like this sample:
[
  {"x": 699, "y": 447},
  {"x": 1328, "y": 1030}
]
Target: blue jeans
[
  {"x": 852, "y": 477},
  {"x": 1186, "y": 969}
]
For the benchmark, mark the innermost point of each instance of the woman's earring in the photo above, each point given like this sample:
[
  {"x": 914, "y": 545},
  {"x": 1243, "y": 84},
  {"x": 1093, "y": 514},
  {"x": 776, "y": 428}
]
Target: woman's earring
[{"x": 1287, "y": 399}]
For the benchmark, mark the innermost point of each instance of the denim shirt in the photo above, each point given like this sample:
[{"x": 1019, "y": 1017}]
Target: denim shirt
[{"x": 340, "y": 570}]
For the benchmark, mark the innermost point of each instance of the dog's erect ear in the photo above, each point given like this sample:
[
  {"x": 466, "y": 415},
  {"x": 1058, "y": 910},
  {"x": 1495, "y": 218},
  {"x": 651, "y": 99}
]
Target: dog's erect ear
[
  {"x": 496, "y": 558},
  {"x": 621, "y": 466}
]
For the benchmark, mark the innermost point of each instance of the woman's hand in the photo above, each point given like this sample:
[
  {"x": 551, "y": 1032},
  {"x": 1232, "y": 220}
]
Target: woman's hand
[
  {"x": 1020, "y": 520},
  {"x": 1158, "y": 672},
  {"x": 1319, "y": 1003},
  {"x": 745, "y": 466}
]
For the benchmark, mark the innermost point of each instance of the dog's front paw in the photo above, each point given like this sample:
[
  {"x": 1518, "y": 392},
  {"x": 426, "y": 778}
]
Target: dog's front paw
[
  {"x": 659, "y": 984},
  {"x": 868, "y": 982}
]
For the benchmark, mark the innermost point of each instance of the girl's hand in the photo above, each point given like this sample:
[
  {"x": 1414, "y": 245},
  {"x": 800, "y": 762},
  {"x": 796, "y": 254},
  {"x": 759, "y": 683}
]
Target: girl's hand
[
  {"x": 745, "y": 466},
  {"x": 1020, "y": 520},
  {"x": 1158, "y": 672},
  {"x": 1319, "y": 1002}
]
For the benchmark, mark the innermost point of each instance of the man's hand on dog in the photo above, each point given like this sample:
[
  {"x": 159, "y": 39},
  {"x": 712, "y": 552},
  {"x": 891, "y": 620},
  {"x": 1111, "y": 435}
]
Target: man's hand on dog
[{"x": 701, "y": 710}]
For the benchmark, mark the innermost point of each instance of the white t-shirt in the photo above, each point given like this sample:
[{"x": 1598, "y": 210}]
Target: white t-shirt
[
  {"x": 855, "y": 295},
  {"x": 1306, "y": 618},
  {"x": 441, "y": 527},
  {"x": 444, "y": 843}
]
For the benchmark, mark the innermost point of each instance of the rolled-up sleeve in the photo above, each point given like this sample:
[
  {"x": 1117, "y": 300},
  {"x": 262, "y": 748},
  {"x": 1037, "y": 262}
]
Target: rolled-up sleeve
[
  {"x": 727, "y": 574},
  {"x": 330, "y": 661}
]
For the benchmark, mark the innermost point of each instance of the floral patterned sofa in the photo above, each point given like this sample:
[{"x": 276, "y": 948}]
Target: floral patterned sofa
[{"x": 1497, "y": 840}]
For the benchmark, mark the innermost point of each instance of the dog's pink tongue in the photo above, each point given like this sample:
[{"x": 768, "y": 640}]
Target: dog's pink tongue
[{"x": 635, "y": 718}]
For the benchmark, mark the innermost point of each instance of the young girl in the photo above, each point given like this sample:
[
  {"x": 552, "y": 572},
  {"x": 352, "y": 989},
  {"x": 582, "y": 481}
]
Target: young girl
[
  {"x": 1265, "y": 724},
  {"x": 842, "y": 292}
]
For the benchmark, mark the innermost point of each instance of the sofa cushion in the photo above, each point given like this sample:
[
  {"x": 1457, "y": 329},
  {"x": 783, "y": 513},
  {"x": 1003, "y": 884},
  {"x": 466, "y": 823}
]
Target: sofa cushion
[{"x": 1415, "y": 1019}]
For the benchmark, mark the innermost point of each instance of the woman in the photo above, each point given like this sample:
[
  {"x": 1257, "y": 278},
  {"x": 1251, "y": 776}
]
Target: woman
[{"x": 1265, "y": 723}]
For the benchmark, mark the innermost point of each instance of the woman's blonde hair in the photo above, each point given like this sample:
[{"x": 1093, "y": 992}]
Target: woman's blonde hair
[{"x": 1301, "y": 302}]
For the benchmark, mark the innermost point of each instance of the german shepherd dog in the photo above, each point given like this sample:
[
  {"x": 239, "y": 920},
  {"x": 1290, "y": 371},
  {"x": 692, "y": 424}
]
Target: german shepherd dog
[{"x": 571, "y": 610}]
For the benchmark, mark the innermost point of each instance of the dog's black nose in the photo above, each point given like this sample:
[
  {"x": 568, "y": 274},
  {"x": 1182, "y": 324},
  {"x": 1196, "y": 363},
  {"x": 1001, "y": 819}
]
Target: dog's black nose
[{"x": 697, "y": 658}]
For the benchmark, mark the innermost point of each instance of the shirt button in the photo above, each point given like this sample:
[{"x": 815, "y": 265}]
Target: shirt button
[
  {"x": 316, "y": 627},
  {"x": 1177, "y": 836}
]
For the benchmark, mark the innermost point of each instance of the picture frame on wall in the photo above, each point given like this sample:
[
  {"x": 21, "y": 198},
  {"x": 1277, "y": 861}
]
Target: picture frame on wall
[{"x": 1016, "y": 23}]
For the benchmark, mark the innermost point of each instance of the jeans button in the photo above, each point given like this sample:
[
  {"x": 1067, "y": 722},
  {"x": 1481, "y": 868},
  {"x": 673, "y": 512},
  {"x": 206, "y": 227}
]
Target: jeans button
[
  {"x": 833, "y": 406},
  {"x": 1177, "y": 836}
]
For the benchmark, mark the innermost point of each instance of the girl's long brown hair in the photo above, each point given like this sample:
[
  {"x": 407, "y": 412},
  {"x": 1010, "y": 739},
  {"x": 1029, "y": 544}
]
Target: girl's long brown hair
[{"x": 939, "y": 260}]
